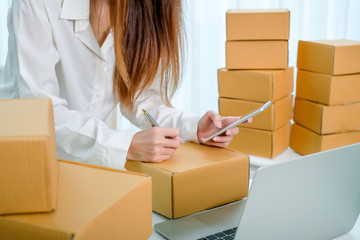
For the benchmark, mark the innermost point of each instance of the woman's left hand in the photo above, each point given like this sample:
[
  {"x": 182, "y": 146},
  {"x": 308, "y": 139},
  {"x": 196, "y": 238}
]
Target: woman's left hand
[{"x": 212, "y": 122}]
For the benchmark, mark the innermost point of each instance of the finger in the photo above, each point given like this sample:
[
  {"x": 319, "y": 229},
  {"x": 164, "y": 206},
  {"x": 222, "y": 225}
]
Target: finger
[
  {"x": 229, "y": 120},
  {"x": 167, "y": 151},
  {"x": 222, "y": 139},
  {"x": 215, "y": 118},
  {"x": 232, "y": 131},
  {"x": 179, "y": 139},
  {"x": 160, "y": 158},
  {"x": 250, "y": 120},
  {"x": 169, "y": 132},
  {"x": 171, "y": 143}
]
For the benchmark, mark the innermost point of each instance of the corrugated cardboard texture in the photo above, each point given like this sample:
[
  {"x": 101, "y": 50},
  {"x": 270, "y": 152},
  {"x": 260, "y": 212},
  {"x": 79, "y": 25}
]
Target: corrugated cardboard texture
[
  {"x": 267, "y": 144},
  {"x": 28, "y": 174},
  {"x": 258, "y": 24},
  {"x": 278, "y": 114},
  {"x": 93, "y": 203},
  {"x": 258, "y": 86},
  {"x": 256, "y": 54},
  {"x": 305, "y": 141},
  {"x": 324, "y": 119},
  {"x": 328, "y": 89},
  {"x": 201, "y": 177},
  {"x": 335, "y": 57}
]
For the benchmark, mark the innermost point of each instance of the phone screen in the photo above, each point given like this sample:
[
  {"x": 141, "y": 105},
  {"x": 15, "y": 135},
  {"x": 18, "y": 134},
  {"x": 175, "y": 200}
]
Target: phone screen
[{"x": 241, "y": 120}]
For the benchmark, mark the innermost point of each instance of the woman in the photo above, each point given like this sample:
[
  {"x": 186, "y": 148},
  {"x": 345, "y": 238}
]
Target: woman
[{"x": 88, "y": 55}]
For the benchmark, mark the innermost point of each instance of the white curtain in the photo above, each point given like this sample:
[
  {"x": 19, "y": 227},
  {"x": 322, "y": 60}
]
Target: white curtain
[{"x": 205, "y": 27}]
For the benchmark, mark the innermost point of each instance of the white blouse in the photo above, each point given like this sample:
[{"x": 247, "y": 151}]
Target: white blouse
[{"x": 53, "y": 54}]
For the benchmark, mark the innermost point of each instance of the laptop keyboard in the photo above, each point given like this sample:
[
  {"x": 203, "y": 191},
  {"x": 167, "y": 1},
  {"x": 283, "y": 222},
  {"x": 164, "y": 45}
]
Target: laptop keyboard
[{"x": 224, "y": 235}]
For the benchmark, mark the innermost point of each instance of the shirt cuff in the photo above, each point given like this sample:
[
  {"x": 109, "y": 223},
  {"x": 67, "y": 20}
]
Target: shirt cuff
[{"x": 189, "y": 131}]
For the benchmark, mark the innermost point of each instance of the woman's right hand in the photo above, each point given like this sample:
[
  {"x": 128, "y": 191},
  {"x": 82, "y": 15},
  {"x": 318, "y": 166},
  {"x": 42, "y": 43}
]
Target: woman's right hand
[{"x": 154, "y": 145}]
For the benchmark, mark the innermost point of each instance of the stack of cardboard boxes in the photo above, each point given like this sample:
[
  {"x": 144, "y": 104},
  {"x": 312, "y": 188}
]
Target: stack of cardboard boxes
[
  {"x": 257, "y": 71},
  {"x": 327, "y": 104},
  {"x": 42, "y": 198}
]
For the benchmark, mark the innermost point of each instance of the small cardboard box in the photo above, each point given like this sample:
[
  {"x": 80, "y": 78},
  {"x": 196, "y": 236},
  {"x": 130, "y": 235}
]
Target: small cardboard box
[
  {"x": 261, "y": 143},
  {"x": 258, "y": 86},
  {"x": 196, "y": 178},
  {"x": 28, "y": 174},
  {"x": 305, "y": 141},
  {"x": 324, "y": 119},
  {"x": 328, "y": 89},
  {"x": 93, "y": 203},
  {"x": 276, "y": 115},
  {"x": 256, "y": 54},
  {"x": 334, "y": 57},
  {"x": 257, "y": 24}
]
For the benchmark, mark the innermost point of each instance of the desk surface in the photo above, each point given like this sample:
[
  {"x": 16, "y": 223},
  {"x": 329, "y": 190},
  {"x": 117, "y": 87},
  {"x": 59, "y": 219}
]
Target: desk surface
[{"x": 256, "y": 162}]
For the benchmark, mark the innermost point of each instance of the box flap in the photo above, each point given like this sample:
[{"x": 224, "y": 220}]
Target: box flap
[
  {"x": 84, "y": 193},
  {"x": 181, "y": 161}
]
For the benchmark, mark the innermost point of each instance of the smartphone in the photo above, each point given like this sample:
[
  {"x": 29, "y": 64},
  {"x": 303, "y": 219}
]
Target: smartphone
[{"x": 241, "y": 120}]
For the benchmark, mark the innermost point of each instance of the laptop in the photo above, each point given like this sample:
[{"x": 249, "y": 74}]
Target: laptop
[{"x": 313, "y": 197}]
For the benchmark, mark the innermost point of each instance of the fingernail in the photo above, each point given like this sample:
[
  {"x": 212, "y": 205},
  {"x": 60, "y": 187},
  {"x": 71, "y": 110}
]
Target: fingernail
[{"x": 218, "y": 124}]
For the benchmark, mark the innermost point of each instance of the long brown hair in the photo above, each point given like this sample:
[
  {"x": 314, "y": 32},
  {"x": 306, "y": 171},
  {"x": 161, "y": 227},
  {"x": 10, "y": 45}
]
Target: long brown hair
[{"x": 148, "y": 38}]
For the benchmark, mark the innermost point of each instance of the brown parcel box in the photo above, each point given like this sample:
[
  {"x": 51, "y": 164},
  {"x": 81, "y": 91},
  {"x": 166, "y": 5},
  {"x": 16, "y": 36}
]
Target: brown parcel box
[
  {"x": 324, "y": 119},
  {"x": 195, "y": 178},
  {"x": 261, "y": 143},
  {"x": 256, "y": 54},
  {"x": 334, "y": 57},
  {"x": 28, "y": 174},
  {"x": 276, "y": 115},
  {"x": 305, "y": 141},
  {"x": 328, "y": 89},
  {"x": 257, "y": 24},
  {"x": 93, "y": 203},
  {"x": 258, "y": 86}
]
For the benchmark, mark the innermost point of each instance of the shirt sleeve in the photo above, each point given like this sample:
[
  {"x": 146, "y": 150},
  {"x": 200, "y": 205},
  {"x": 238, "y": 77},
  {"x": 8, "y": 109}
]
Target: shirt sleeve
[
  {"x": 34, "y": 57},
  {"x": 150, "y": 100}
]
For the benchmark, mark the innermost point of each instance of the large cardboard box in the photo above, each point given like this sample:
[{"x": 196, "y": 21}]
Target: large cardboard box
[
  {"x": 94, "y": 203},
  {"x": 256, "y": 54},
  {"x": 305, "y": 141},
  {"x": 276, "y": 115},
  {"x": 267, "y": 144},
  {"x": 328, "y": 89},
  {"x": 334, "y": 57},
  {"x": 324, "y": 119},
  {"x": 195, "y": 178},
  {"x": 258, "y": 86},
  {"x": 28, "y": 174},
  {"x": 257, "y": 24}
]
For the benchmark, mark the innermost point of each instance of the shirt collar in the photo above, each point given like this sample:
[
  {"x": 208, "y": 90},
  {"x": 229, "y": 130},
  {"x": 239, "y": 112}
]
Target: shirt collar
[{"x": 75, "y": 9}]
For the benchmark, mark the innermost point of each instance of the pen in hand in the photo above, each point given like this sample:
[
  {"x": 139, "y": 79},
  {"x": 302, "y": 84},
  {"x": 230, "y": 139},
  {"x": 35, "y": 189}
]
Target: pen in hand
[{"x": 151, "y": 121}]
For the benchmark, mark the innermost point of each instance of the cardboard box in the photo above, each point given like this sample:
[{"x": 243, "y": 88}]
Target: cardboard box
[
  {"x": 267, "y": 144},
  {"x": 257, "y": 24},
  {"x": 28, "y": 174},
  {"x": 328, "y": 89},
  {"x": 305, "y": 141},
  {"x": 94, "y": 203},
  {"x": 324, "y": 119},
  {"x": 258, "y": 86},
  {"x": 256, "y": 54},
  {"x": 196, "y": 178},
  {"x": 276, "y": 115},
  {"x": 334, "y": 57}
]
